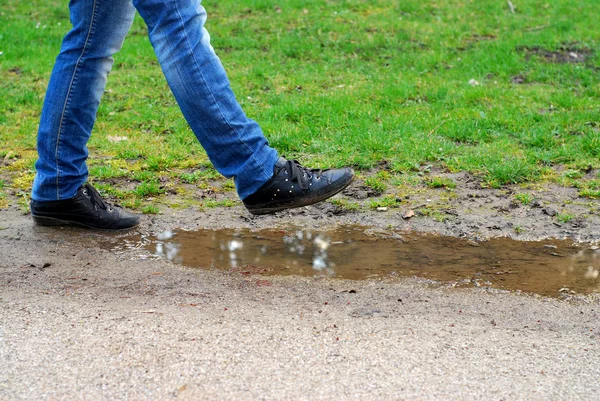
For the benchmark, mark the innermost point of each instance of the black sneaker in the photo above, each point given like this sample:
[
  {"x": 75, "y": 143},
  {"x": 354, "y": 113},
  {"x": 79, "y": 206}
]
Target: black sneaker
[
  {"x": 294, "y": 186},
  {"x": 86, "y": 209}
]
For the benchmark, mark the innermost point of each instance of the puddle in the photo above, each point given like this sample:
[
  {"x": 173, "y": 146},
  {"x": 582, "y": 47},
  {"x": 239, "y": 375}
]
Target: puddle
[{"x": 549, "y": 267}]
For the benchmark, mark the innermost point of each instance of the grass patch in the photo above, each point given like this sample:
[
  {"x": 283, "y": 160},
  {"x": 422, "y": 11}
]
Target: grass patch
[
  {"x": 564, "y": 217},
  {"x": 345, "y": 205},
  {"x": 3, "y": 200},
  {"x": 434, "y": 212},
  {"x": 228, "y": 185},
  {"x": 524, "y": 198},
  {"x": 219, "y": 203},
  {"x": 132, "y": 203},
  {"x": 150, "y": 209},
  {"x": 590, "y": 193},
  {"x": 199, "y": 175},
  {"x": 376, "y": 184},
  {"x": 410, "y": 180},
  {"x": 23, "y": 181},
  {"x": 589, "y": 189},
  {"x": 440, "y": 182},
  {"x": 148, "y": 188},
  {"x": 469, "y": 86},
  {"x": 572, "y": 174},
  {"x": 189, "y": 178},
  {"x": 389, "y": 201},
  {"x": 110, "y": 191}
]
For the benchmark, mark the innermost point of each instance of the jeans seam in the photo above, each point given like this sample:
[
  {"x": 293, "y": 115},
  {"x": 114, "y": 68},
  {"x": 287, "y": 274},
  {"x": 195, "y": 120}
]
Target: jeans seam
[
  {"x": 212, "y": 94},
  {"x": 69, "y": 96}
]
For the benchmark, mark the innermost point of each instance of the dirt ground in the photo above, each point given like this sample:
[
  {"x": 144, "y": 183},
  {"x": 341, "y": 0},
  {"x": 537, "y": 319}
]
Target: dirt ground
[
  {"x": 81, "y": 321},
  {"x": 468, "y": 211}
]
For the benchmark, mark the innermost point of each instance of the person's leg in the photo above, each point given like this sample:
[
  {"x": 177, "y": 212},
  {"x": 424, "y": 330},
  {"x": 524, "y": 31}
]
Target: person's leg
[
  {"x": 60, "y": 195},
  {"x": 74, "y": 91},
  {"x": 234, "y": 143}
]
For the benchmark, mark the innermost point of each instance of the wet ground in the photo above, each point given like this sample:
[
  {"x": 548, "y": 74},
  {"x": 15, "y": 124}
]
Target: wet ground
[
  {"x": 325, "y": 310},
  {"x": 548, "y": 267}
]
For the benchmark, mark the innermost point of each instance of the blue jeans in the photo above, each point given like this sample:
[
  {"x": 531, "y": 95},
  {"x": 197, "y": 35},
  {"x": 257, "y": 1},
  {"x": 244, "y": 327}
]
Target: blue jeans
[{"x": 234, "y": 143}]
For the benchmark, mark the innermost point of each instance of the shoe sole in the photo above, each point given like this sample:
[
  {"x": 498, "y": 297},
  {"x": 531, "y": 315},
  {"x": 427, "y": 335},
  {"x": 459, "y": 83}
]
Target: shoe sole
[
  {"x": 54, "y": 222},
  {"x": 281, "y": 207}
]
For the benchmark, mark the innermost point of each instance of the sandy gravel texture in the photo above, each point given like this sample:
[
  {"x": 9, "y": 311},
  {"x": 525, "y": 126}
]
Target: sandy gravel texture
[{"x": 78, "y": 321}]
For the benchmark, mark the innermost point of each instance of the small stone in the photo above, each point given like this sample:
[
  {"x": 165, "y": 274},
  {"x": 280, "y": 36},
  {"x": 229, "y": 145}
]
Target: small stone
[
  {"x": 550, "y": 211},
  {"x": 408, "y": 214},
  {"x": 116, "y": 138}
]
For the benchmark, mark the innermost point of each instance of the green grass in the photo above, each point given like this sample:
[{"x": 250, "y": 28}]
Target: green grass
[
  {"x": 349, "y": 82},
  {"x": 150, "y": 209},
  {"x": 148, "y": 188},
  {"x": 590, "y": 188},
  {"x": 3, "y": 201},
  {"x": 564, "y": 217},
  {"x": 344, "y": 205},
  {"x": 220, "y": 203},
  {"x": 376, "y": 183},
  {"x": 524, "y": 198},
  {"x": 388, "y": 201},
  {"x": 590, "y": 193},
  {"x": 440, "y": 182}
]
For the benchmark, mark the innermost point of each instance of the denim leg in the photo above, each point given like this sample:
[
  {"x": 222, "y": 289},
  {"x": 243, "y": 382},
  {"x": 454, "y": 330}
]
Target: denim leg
[
  {"x": 74, "y": 91},
  {"x": 234, "y": 143}
]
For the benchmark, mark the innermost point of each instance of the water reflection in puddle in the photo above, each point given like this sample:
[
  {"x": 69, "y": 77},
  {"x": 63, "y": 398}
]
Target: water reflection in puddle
[{"x": 549, "y": 267}]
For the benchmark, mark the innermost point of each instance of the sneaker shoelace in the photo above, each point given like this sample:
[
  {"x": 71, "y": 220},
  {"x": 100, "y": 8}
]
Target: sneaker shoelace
[
  {"x": 95, "y": 198},
  {"x": 302, "y": 174}
]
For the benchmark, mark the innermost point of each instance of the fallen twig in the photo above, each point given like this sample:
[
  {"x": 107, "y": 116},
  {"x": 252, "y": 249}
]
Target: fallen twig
[
  {"x": 436, "y": 127},
  {"x": 511, "y": 6},
  {"x": 538, "y": 28}
]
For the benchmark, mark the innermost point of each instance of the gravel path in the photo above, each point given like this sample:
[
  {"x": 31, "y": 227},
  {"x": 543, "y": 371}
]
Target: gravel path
[{"x": 81, "y": 322}]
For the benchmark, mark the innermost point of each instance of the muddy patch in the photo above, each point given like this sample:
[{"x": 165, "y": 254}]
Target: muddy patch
[
  {"x": 518, "y": 79},
  {"x": 564, "y": 55},
  {"x": 549, "y": 267}
]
